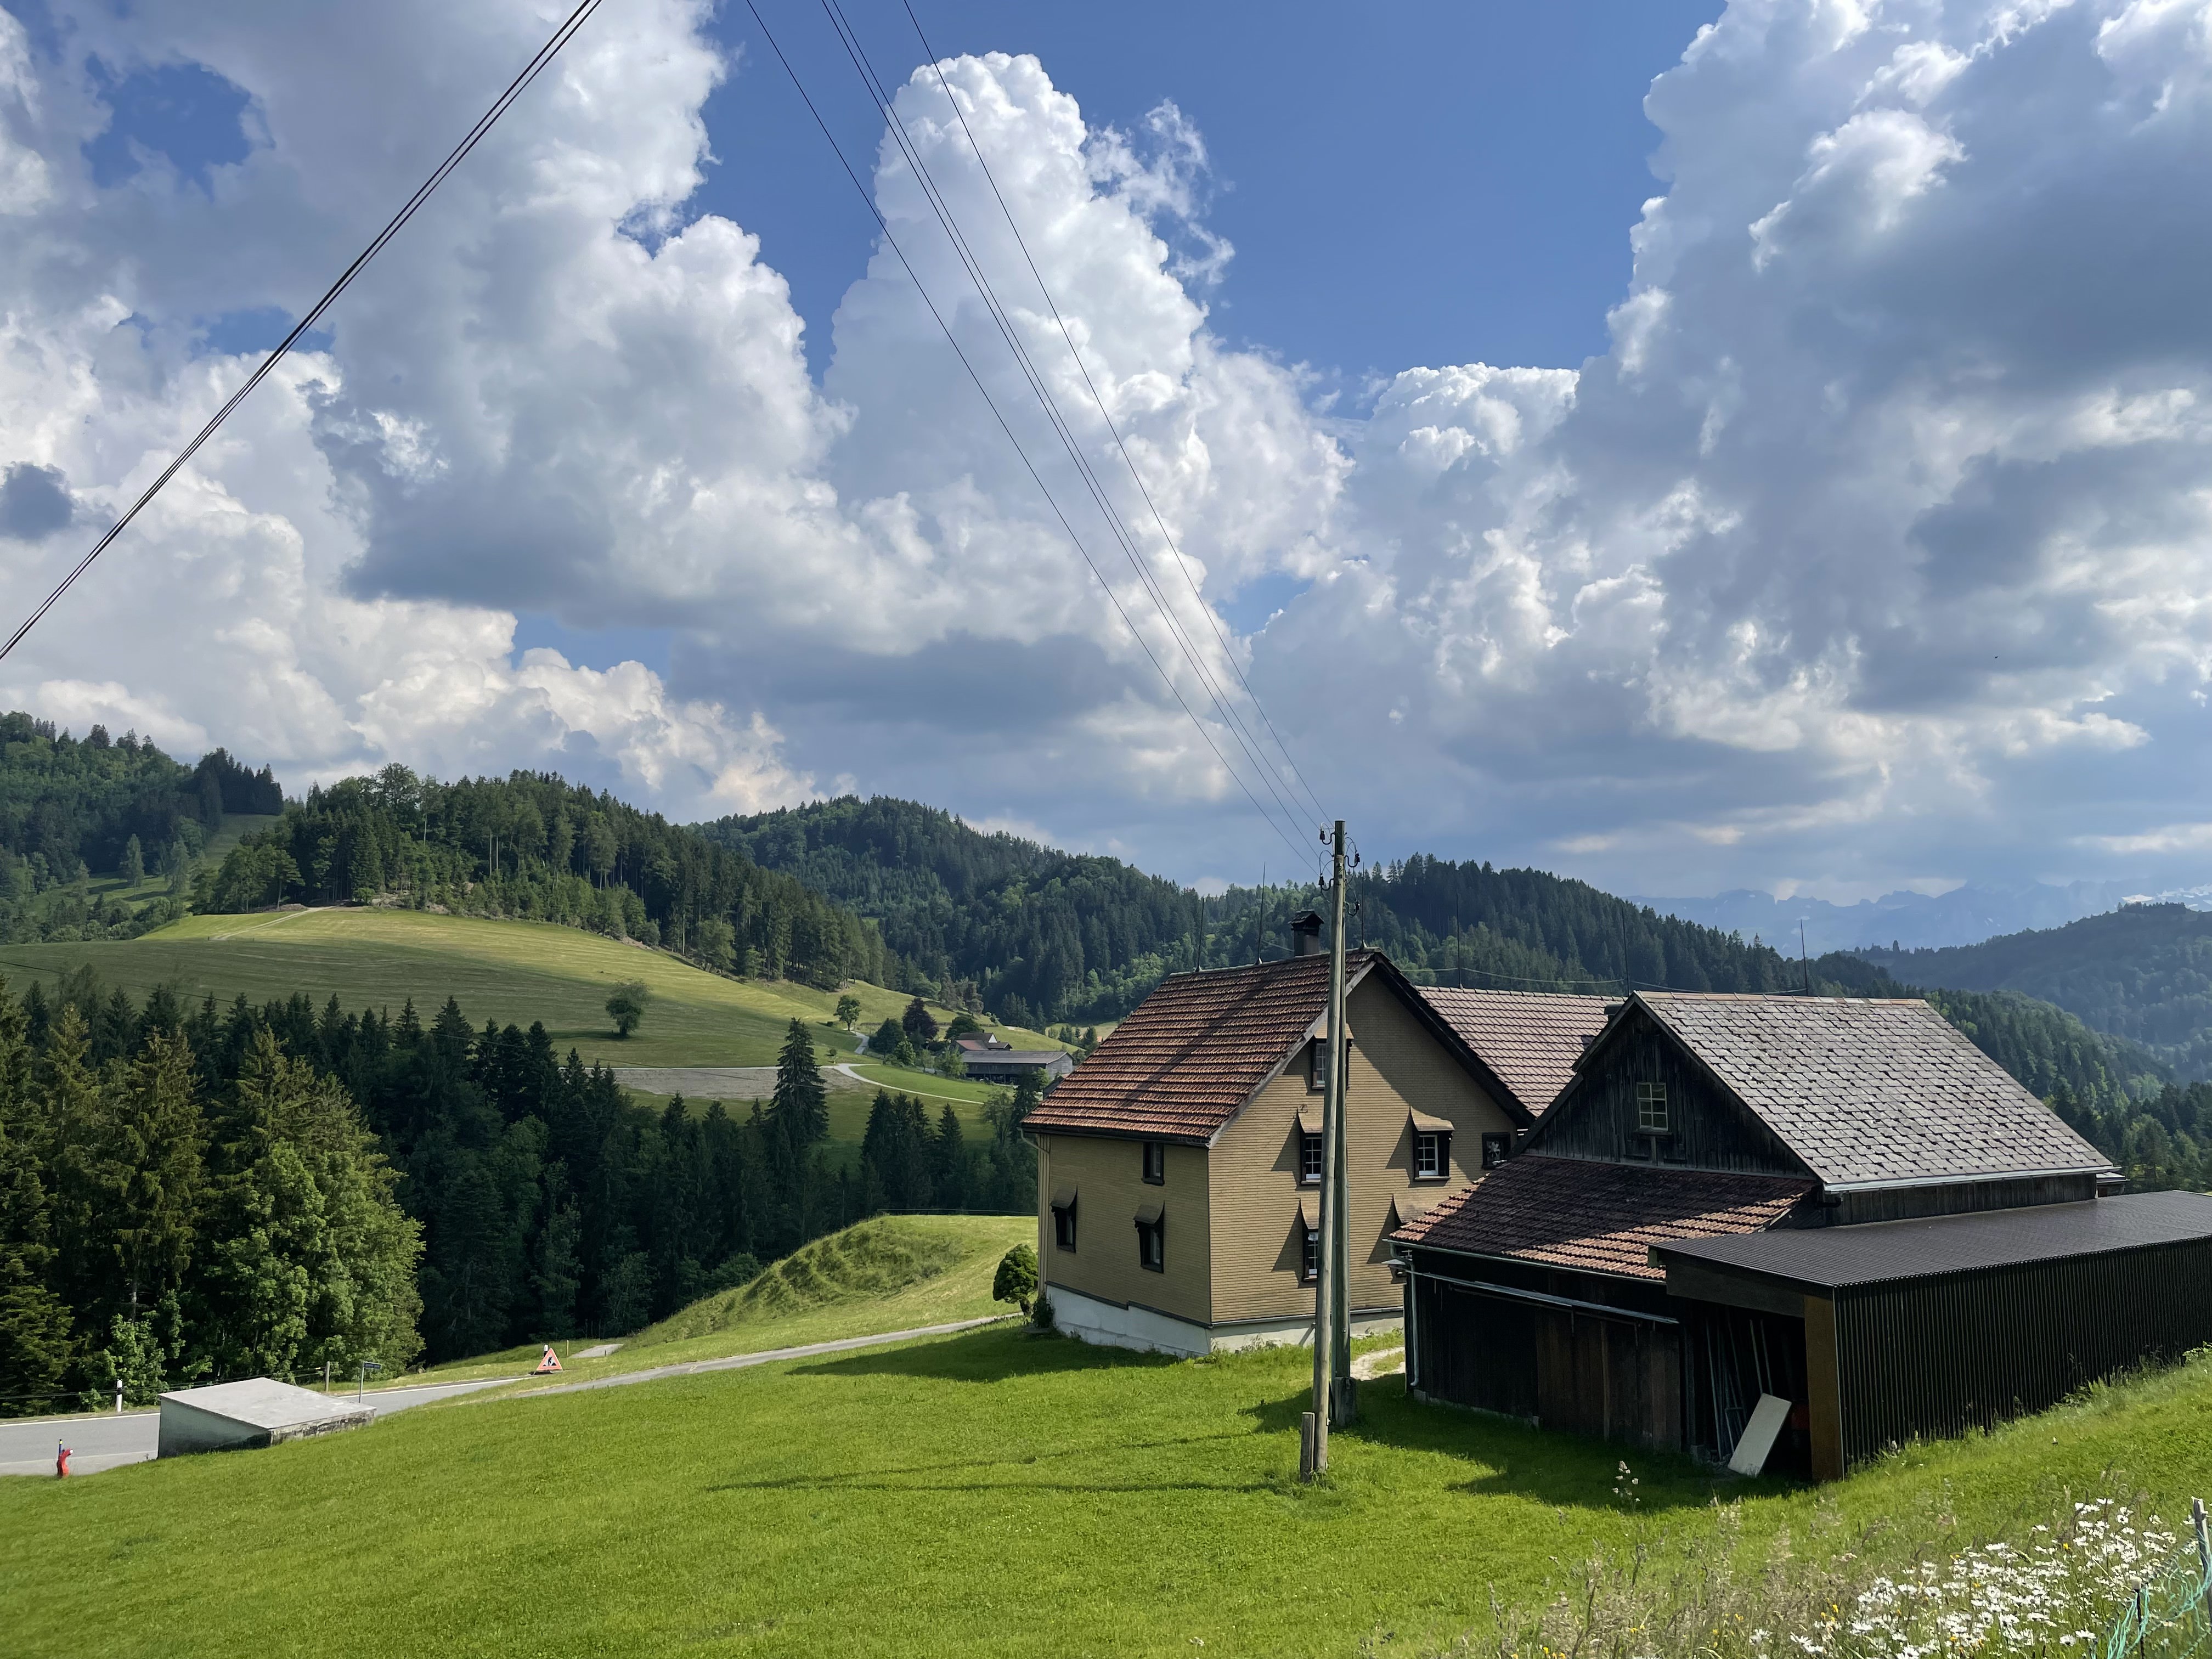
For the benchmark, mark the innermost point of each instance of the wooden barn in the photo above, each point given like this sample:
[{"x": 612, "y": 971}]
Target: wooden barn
[{"x": 1838, "y": 1207}]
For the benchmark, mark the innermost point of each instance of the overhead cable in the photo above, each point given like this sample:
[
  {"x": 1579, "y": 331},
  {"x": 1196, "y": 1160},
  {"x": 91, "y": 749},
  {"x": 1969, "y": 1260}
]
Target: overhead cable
[
  {"x": 545, "y": 54},
  {"x": 879, "y": 93},
  {"x": 1029, "y": 465},
  {"x": 1120, "y": 443}
]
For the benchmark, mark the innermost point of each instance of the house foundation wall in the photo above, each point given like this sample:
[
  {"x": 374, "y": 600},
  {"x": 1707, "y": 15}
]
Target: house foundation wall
[{"x": 1118, "y": 1325}]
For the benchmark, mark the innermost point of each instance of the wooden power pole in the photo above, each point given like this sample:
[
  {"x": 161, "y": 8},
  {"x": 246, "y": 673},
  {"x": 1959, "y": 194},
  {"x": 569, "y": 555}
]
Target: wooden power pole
[{"x": 1330, "y": 1295}]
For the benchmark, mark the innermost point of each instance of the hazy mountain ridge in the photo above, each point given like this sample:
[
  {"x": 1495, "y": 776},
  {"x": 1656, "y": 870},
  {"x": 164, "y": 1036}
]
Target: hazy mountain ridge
[{"x": 1908, "y": 920}]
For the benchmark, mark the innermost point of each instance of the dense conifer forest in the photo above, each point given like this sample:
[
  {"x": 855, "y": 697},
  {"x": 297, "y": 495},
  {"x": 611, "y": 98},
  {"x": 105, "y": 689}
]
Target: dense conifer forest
[
  {"x": 2143, "y": 972},
  {"x": 205, "y": 1192},
  {"x": 72, "y": 809}
]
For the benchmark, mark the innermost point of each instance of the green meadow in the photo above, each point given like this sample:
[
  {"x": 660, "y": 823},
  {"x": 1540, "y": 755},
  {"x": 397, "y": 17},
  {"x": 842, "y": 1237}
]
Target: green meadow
[
  {"x": 518, "y": 971},
  {"x": 993, "y": 1492}
]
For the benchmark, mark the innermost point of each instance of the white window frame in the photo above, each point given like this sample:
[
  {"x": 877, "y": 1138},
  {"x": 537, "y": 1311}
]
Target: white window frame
[{"x": 1651, "y": 1114}]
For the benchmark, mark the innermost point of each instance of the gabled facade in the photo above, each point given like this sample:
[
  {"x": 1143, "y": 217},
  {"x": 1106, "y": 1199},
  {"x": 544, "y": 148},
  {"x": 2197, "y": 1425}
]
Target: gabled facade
[
  {"x": 1178, "y": 1167},
  {"x": 1738, "y": 1197}
]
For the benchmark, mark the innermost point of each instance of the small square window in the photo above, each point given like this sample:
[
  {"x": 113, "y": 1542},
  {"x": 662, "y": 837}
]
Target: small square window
[
  {"x": 1063, "y": 1227},
  {"x": 1432, "y": 1156},
  {"x": 1152, "y": 1245},
  {"x": 1309, "y": 1160},
  {"x": 1496, "y": 1148},
  {"x": 1156, "y": 1162},
  {"x": 1311, "y": 1269},
  {"x": 1652, "y": 1108}
]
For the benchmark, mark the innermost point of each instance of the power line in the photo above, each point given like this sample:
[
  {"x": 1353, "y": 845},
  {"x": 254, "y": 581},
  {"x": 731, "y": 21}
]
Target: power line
[
  {"x": 515, "y": 89},
  {"x": 1137, "y": 477},
  {"x": 873, "y": 83},
  {"x": 1029, "y": 466}
]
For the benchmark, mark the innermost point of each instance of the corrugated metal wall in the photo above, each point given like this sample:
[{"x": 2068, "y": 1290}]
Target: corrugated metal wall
[{"x": 1936, "y": 1358}]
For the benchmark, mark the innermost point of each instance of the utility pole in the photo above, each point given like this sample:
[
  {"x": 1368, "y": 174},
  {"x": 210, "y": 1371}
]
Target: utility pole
[{"x": 1328, "y": 1292}]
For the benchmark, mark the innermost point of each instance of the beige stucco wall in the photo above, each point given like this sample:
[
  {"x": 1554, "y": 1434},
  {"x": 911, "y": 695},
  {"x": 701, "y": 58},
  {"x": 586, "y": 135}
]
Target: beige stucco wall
[
  {"x": 1108, "y": 1175},
  {"x": 1396, "y": 1065}
]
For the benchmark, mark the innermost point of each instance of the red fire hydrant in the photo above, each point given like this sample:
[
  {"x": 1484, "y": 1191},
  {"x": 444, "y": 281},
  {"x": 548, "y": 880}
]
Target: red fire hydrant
[{"x": 61, "y": 1460}]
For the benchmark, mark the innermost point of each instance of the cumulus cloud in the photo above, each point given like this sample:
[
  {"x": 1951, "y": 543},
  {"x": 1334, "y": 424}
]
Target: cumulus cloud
[{"x": 1872, "y": 550}]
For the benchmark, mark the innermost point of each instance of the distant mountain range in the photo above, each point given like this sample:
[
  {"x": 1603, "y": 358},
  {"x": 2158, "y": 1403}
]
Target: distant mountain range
[{"x": 1915, "y": 922}]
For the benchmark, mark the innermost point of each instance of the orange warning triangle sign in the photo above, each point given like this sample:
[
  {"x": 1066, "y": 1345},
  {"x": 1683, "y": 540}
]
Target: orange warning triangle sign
[{"x": 551, "y": 1363}]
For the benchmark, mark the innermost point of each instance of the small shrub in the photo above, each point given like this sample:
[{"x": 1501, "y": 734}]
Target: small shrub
[
  {"x": 626, "y": 1006},
  {"x": 1017, "y": 1277}
]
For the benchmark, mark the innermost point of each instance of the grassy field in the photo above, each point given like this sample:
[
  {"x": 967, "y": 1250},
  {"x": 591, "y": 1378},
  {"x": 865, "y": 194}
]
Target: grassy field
[
  {"x": 508, "y": 970},
  {"x": 990, "y": 1493}
]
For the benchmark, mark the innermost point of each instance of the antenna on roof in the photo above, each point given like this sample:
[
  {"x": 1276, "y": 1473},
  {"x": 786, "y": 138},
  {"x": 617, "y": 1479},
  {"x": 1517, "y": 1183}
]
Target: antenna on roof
[{"x": 1803, "y": 960}]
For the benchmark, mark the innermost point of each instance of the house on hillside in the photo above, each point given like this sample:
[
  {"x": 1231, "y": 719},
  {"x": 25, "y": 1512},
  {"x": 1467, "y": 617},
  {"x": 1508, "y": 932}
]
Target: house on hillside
[
  {"x": 1179, "y": 1167},
  {"x": 1839, "y": 1203}
]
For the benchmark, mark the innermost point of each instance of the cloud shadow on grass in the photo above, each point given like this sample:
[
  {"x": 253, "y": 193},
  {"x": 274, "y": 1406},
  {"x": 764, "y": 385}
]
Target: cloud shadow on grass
[
  {"x": 990, "y": 1355},
  {"x": 1509, "y": 1457},
  {"x": 907, "y": 1477}
]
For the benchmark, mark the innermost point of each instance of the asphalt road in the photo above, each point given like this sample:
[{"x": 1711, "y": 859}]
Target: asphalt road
[
  {"x": 27, "y": 1444},
  {"x": 738, "y": 1362}
]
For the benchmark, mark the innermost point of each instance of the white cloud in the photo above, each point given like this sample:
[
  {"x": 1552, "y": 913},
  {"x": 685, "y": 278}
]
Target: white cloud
[{"x": 1876, "y": 543}]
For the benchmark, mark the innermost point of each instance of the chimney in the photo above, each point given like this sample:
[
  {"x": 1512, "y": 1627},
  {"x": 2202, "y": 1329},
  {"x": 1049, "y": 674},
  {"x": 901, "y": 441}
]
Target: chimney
[{"x": 1305, "y": 933}]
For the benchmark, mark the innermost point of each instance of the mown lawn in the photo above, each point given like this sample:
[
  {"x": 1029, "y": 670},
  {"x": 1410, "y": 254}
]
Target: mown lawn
[
  {"x": 991, "y": 1493},
  {"x": 517, "y": 971}
]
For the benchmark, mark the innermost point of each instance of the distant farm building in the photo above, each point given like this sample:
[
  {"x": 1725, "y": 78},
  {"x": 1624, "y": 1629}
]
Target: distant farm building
[
  {"x": 988, "y": 1060},
  {"x": 1841, "y": 1205}
]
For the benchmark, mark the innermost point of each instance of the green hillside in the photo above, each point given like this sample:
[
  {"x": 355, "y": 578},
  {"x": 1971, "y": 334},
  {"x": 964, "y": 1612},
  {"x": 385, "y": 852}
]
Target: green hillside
[
  {"x": 993, "y": 1494},
  {"x": 2143, "y": 973},
  {"x": 510, "y": 971}
]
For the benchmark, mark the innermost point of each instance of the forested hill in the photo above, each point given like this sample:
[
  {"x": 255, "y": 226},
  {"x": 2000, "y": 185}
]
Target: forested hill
[
  {"x": 1032, "y": 933},
  {"x": 2142, "y": 973},
  {"x": 72, "y": 808},
  {"x": 531, "y": 845}
]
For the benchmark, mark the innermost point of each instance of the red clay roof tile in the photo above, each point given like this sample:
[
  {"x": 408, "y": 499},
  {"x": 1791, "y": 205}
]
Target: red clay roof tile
[
  {"x": 1599, "y": 1218},
  {"x": 1530, "y": 1039},
  {"x": 1181, "y": 1066}
]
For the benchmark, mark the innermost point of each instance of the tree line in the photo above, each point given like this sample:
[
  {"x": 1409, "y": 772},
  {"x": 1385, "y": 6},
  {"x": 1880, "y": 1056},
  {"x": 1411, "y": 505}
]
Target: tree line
[
  {"x": 532, "y": 845},
  {"x": 72, "y": 809},
  {"x": 447, "y": 1190}
]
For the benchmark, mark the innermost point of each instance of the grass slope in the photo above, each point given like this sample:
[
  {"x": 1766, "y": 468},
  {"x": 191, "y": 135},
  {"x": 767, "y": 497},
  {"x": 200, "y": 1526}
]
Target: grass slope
[
  {"x": 990, "y": 1493},
  {"x": 891, "y": 1273},
  {"x": 516, "y": 971}
]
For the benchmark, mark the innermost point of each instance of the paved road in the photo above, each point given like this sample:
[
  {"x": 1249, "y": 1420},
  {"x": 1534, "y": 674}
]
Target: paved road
[
  {"x": 738, "y": 1082},
  {"x": 738, "y": 1362},
  {"x": 27, "y": 1444}
]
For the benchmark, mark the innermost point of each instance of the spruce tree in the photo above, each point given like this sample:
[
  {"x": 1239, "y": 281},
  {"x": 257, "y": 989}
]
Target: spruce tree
[
  {"x": 800, "y": 1109},
  {"x": 36, "y": 1342}
]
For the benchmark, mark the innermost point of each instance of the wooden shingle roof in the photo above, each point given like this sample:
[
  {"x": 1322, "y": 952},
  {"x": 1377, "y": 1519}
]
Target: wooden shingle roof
[
  {"x": 1530, "y": 1039},
  {"x": 1599, "y": 1218},
  {"x": 1181, "y": 1066},
  {"x": 1870, "y": 1092}
]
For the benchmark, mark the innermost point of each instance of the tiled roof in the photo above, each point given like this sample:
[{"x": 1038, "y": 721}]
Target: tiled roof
[
  {"x": 1599, "y": 1218},
  {"x": 1531, "y": 1039},
  {"x": 1181, "y": 1066},
  {"x": 1864, "y": 1091}
]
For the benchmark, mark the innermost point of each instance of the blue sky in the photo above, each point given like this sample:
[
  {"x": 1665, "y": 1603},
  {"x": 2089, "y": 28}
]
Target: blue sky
[{"x": 1412, "y": 183}]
